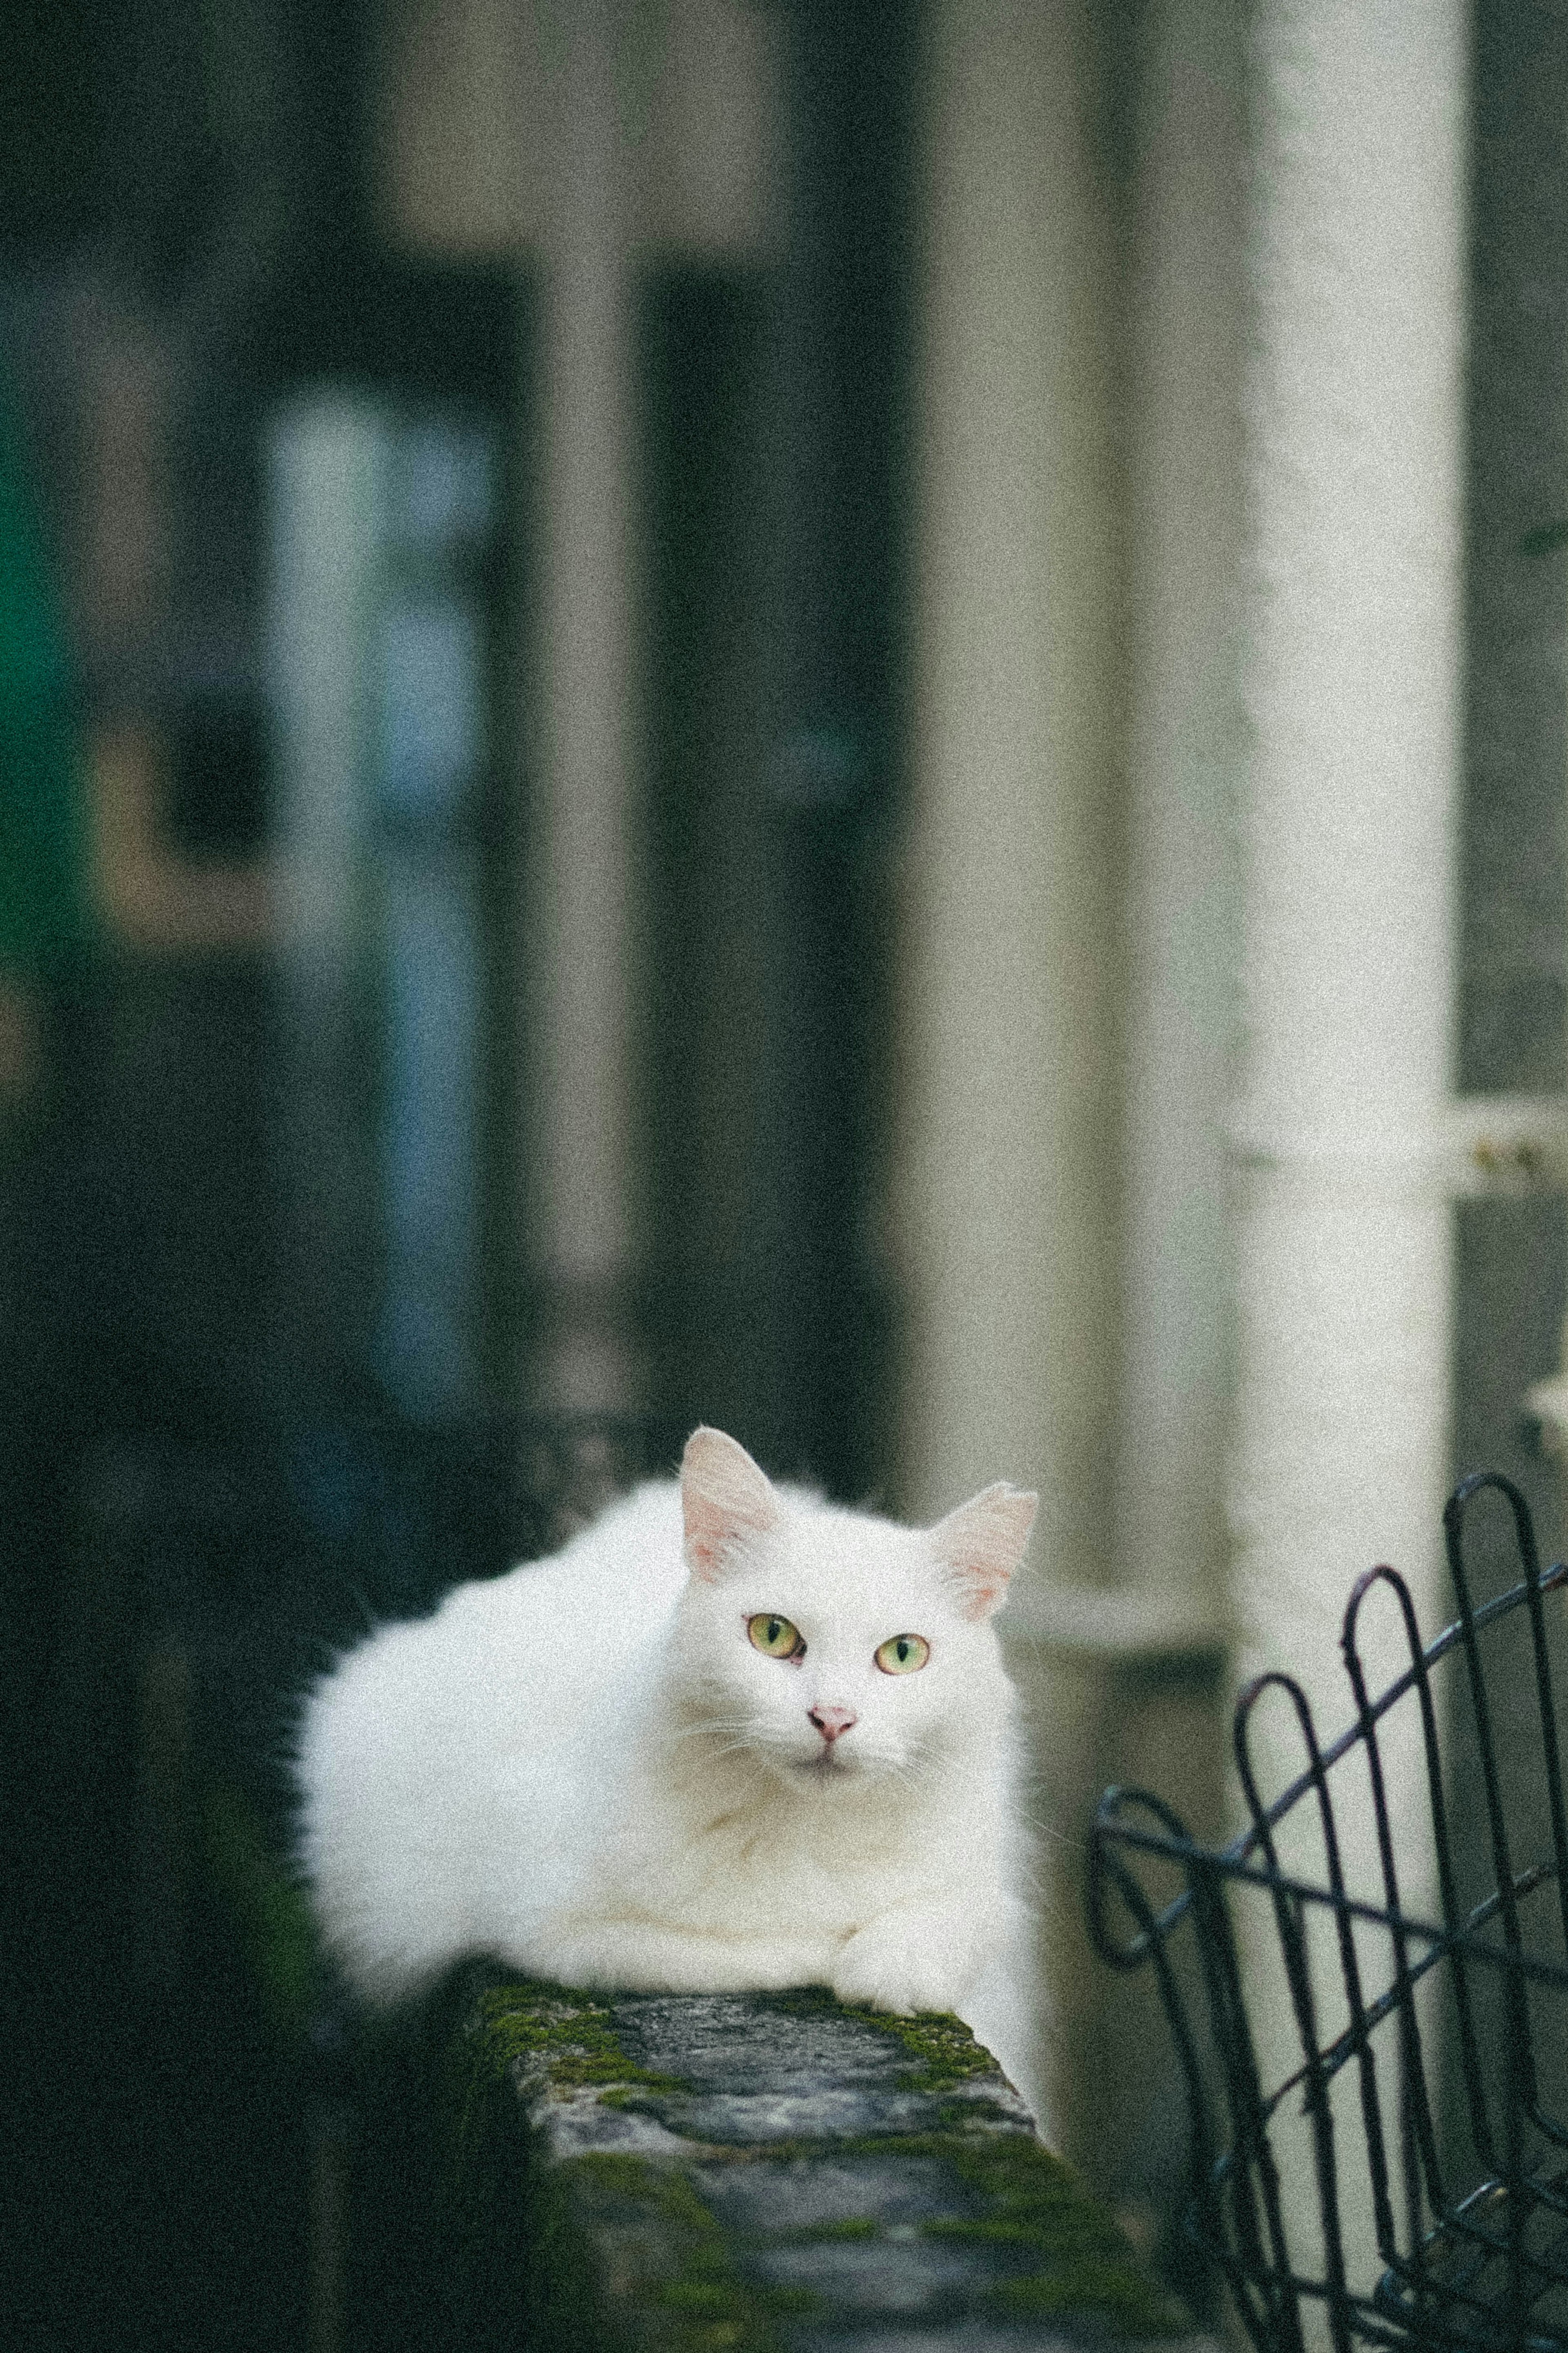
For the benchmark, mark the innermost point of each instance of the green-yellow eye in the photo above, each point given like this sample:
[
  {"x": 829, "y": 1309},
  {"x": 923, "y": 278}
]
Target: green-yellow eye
[
  {"x": 775, "y": 1637},
  {"x": 902, "y": 1653}
]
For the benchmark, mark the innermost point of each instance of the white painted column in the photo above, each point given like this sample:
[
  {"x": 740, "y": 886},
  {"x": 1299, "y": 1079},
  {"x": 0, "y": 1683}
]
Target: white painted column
[
  {"x": 1005, "y": 1198},
  {"x": 1352, "y": 683},
  {"x": 580, "y": 950},
  {"x": 1354, "y": 452}
]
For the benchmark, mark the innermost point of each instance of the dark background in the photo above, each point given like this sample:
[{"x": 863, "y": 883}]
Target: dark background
[{"x": 195, "y": 1506}]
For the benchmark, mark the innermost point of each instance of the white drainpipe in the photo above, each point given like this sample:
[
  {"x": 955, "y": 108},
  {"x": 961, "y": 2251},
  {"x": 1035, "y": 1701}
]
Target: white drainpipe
[
  {"x": 1353, "y": 679},
  {"x": 1352, "y": 685}
]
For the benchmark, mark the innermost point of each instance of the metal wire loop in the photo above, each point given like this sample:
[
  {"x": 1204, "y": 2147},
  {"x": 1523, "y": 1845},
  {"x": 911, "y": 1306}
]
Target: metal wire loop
[{"x": 1417, "y": 2073}]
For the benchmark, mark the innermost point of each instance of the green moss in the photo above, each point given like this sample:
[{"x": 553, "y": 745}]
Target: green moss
[
  {"x": 567, "y": 2036},
  {"x": 662, "y": 2188},
  {"x": 702, "y": 2305},
  {"x": 1103, "y": 2289},
  {"x": 1036, "y": 2205},
  {"x": 1083, "y": 2263},
  {"x": 940, "y": 2048}
]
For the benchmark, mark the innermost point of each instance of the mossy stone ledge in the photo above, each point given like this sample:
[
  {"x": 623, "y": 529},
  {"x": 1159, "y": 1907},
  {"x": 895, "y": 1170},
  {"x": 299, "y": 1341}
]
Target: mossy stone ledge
[{"x": 760, "y": 2173}]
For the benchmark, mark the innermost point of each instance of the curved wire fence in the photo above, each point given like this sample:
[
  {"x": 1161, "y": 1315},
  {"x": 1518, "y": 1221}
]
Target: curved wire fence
[{"x": 1368, "y": 1989}]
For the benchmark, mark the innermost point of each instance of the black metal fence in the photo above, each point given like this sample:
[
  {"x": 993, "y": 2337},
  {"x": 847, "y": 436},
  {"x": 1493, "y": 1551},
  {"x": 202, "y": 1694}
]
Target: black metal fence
[{"x": 1368, "y": 1989}]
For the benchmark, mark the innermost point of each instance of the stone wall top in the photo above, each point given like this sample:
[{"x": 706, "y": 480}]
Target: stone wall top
[{"x": 763, "y": 2173}]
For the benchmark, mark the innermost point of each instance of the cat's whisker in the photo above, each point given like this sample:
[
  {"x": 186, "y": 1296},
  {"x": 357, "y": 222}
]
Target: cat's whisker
[
  {"x": 736, "y": 1748},
  {"x": 1039, "y": 1827}
]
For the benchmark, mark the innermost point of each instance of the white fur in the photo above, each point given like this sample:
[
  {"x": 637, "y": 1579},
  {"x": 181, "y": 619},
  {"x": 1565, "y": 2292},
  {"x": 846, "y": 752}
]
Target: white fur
[{"x": 586, "y": 1767}]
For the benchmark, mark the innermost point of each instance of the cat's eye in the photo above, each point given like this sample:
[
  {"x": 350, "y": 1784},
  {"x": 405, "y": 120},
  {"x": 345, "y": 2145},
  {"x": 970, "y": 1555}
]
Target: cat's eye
[
  {"x": 902, "y": 1653},
  {"x": 776, "y": 1637}
]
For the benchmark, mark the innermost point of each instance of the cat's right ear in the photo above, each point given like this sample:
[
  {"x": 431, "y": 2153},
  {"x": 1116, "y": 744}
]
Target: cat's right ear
[
  {"x": 726, "y": 1500},
  {"x": 979, "y": 1545}
]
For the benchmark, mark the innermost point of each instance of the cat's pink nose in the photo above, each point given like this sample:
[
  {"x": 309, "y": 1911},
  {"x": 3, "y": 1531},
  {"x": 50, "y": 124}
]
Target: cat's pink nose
[{"x": 831, "y": 1721}]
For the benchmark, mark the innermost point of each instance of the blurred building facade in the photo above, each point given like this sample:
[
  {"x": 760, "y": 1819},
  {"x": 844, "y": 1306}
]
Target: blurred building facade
[{"x": 989, "y": 897}]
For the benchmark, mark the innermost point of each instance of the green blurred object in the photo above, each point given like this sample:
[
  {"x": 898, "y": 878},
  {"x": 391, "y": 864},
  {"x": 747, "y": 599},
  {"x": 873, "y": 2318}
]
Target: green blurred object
[
  {"x": 268, "y": 1909},
  {"x": 43, "y": 908}
]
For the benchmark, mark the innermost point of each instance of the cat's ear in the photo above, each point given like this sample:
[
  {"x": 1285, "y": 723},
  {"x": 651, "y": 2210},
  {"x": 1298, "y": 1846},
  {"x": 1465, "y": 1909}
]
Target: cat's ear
[
  {"x": 979, "y": 1545},
  {"x": 725, "y": 1498}
]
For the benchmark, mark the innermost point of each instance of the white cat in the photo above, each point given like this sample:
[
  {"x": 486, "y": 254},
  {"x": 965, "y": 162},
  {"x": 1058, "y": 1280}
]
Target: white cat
[{"x": 729, "y": 1738}]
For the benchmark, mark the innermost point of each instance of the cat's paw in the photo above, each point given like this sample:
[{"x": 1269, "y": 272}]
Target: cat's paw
[{"x": 881, "y": 1971}]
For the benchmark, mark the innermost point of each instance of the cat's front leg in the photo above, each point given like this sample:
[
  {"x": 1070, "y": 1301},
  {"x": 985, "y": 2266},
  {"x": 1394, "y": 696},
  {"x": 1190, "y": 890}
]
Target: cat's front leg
[
  {"x": 646, "y": 1957},
  {"x": 912, "y": 1957}
]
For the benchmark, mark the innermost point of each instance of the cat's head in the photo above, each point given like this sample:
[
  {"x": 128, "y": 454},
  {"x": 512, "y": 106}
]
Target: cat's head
[{"x": 831, "y": 1645}]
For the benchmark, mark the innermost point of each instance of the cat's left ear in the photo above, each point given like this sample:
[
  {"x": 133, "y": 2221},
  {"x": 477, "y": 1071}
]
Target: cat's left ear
[
  {"x": 725, "y": 1499},
  {"x": 979, "y": 1545}
]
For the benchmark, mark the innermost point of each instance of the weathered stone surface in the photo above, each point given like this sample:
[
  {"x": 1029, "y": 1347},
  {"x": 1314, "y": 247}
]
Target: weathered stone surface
[
  {"x": 765, "y": 2173},
  {"x": 814, "y": 2193}
]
